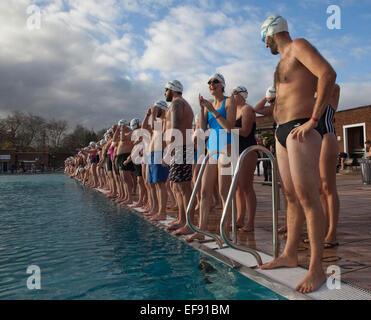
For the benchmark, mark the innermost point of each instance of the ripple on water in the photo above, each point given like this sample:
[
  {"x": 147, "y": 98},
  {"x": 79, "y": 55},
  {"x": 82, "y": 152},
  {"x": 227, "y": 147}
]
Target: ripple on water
[{"x": 87, "y": 247}]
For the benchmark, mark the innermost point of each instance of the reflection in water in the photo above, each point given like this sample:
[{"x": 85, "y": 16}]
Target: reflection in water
[{"x": 90, "y": 248}]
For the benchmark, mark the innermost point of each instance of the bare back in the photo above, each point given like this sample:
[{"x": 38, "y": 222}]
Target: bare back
[{"x": 180, "y": 116}]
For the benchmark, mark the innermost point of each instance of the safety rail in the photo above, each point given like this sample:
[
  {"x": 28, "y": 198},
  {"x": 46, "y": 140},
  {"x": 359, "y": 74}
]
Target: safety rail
[
  {"x": 192, "y": 200},
  {"x": 275, "y": 199}
]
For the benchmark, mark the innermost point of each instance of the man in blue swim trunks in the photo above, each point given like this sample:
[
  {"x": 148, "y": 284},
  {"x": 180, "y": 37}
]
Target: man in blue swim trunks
[
  {"x": 157, "y": 173},
  {"x": 300, "y": 72}
]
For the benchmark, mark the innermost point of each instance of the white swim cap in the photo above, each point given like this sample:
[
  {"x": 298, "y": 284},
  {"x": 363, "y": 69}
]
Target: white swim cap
[
  {"x": 86, "y": 148},
  {"x": 271, "y": 93},
  {"x": 79, "y": 153},
  {"x": 122, "y": 122},
  {"x": 92, "y": 144},
  {"x": 174, "y": 85},
  {"x": 241, "y": 91},
  {"x": 102, "y": 142},
  {"x": 218, "y": 77},
  {"x": 161, "y": 104},
  {"x": 134, "y": 124},
  {"x": 274, "y": 24}
]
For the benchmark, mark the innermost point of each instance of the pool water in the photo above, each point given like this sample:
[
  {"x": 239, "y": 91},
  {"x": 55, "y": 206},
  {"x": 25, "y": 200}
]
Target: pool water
[{"x": 88, "y": 247}]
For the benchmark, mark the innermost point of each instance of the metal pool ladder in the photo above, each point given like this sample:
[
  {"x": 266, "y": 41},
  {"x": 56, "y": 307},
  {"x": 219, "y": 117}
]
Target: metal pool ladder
[{"x": 231, "y": 197}]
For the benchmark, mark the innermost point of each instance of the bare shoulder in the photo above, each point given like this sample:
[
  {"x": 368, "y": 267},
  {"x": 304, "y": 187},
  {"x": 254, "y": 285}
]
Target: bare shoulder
[
  {"x": 248, "y": 110},
  {"x": 177, "y": 104},
  {"x": 230, "y": 102},
  {"x": 299, "y": 45}
]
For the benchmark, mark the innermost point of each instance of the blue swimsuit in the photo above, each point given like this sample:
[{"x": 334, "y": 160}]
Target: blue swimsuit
[{"x": 219, "y": 137}]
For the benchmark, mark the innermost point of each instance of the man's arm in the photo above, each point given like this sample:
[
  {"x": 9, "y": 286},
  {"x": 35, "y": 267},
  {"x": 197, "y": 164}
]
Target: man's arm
[{"x": 318, "y": 66}]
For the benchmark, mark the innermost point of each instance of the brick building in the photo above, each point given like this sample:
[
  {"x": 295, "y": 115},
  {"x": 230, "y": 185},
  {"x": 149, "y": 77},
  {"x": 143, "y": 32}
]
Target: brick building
[
  {"x": 353, "y": 128},
  {"x": 11, "y": 160}
]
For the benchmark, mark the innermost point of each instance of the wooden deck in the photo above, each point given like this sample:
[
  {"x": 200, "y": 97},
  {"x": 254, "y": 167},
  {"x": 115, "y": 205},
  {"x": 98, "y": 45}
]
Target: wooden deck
[{"x": 353, "y": 255}]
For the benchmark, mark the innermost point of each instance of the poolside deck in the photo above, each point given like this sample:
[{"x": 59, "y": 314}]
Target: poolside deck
[{"x": 353, "y": 255}]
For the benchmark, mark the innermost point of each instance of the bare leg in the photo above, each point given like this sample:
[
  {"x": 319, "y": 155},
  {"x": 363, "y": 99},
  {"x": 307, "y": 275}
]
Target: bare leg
[
  {"x": 246, "y": 182},
  {"x": 162, "y": 197},
  {"x": 329, "y": 194},
  {"x": 209, "y": 180},
  {"x": 303, "y": 168}
]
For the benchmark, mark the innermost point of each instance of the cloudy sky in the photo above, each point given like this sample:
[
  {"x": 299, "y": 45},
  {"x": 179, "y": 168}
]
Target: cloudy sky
[{"x": 96, "y": 61}]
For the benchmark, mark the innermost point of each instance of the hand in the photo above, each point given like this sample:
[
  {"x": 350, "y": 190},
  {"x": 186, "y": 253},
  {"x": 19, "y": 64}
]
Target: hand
[
  {"x": 205, "y": 104},
  {"x": 300, "y": 132}
]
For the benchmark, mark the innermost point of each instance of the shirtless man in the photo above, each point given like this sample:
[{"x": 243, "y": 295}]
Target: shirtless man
[
  {"x": 123, "y": 152},
  {"x": 300, "y": 72},
  {"x": 157, "y": 173},
  {"x": 180, "y": 117}
]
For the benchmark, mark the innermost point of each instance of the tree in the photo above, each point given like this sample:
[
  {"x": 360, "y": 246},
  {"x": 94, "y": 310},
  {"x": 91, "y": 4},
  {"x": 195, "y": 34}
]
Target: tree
[{"x": 55, "y": 131}]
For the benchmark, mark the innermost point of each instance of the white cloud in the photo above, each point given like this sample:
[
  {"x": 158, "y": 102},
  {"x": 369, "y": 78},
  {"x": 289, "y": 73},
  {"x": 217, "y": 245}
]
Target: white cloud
[{"x": 354, "y": 94}]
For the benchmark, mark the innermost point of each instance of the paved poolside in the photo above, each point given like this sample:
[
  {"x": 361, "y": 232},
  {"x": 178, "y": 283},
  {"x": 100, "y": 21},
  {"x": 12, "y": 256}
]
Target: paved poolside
[{"x": 353, "y": 255}]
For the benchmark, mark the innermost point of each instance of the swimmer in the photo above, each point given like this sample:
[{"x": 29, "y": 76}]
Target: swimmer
[
  {"x": 220, "y": 115},
  {"x": 157, "y": 173},
  {"x": 300, "y": 72},
  {"x": 245, "y": 193},
  {"x": 180, "y": 117}
]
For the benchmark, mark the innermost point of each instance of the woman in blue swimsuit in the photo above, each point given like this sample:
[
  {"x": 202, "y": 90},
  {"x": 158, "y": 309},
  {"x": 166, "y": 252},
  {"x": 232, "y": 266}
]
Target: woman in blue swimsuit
[{"x": 219, "y": 115}]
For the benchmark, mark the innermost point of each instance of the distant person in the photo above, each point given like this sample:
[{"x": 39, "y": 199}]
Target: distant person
[
  {"x": 267, "y": 167},
  {"x": 368, "y": 149}
]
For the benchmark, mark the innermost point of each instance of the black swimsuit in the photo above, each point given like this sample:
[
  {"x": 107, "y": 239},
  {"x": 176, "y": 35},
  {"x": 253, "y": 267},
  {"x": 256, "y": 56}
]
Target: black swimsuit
[
  {"x": 326, "y": 123},
  {"x": 283, "y": 130},
  {"x": 245, "y": 142}
]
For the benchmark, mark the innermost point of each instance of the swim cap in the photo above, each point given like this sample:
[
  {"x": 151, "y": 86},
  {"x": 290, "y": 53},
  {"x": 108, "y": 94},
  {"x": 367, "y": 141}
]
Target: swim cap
[
  {"x": 219, "y": 77},
  {"x": 86, "y": 148},
  {"x": 242, "y": 91},
  {"x": 92, "y": 144},
  {"x": 79, "y": 153},
  {"x": 121, "y": 122},
  {"x": 102, "y": 142},
  {"x": 271, "y": 93},
  {"x": 161, "y": 104},
  {"x": 174, "y": 85},
  {"x": 274, "y": 24},
  {"x": 134, "y": 124}
]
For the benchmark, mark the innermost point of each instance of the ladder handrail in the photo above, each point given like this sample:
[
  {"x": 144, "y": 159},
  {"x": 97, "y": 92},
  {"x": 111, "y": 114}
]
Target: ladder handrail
[
  {"x": 230, "y": 196},
  {"x": 192, "y": 200}
]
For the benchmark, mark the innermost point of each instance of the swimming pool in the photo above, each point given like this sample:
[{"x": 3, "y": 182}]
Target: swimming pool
[{"x": 87, "y": 247}]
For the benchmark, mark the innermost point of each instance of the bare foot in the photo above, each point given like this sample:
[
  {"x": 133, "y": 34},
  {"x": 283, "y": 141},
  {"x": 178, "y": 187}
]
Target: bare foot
[
  {"x": 158, "y": 217},
  {"x": 312, "y": 282},
  {"x": 247, "y": 229},
  {"x": 182, "y": 231},
  {"x": 195, "y": 236},
  {"x": 174, "y": 226},
  {"x": 281, "y": 262}
]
